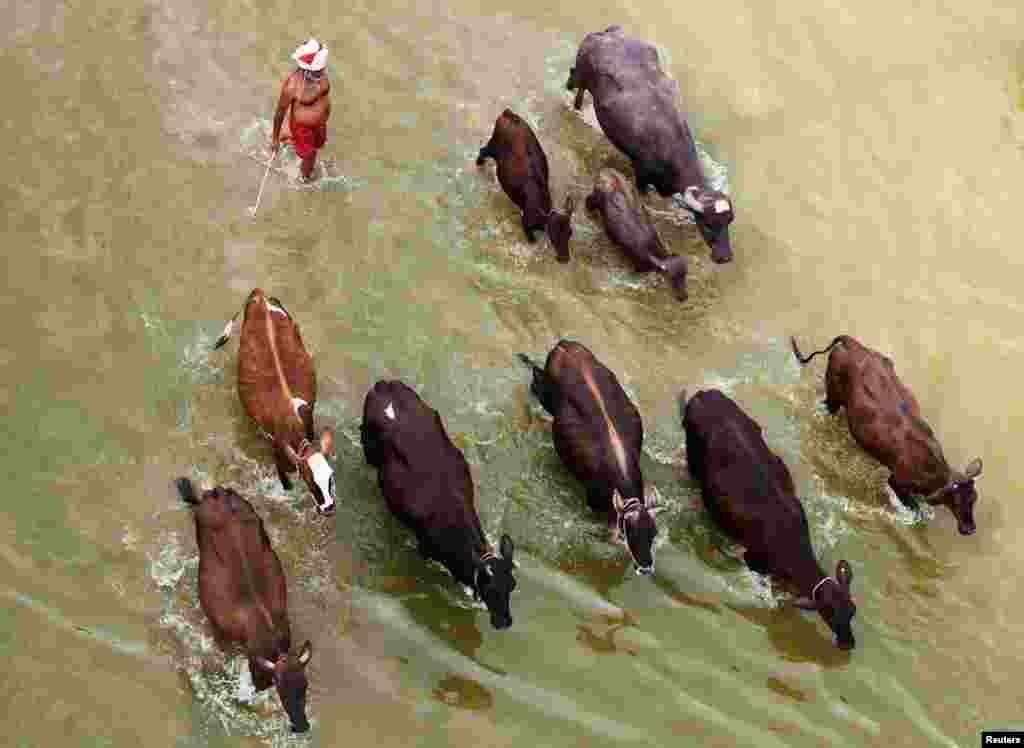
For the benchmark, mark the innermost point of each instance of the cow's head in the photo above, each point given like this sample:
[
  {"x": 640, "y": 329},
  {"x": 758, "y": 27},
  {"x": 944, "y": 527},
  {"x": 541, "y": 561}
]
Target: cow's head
[
  {"x": 713, "y": 212},
  {"x": 316, "y": 471},
  {"x": 289, "y": 674},
  {"x": 559, "y": 228},
  {"x": 831, "y": 598},
  {"x": 493, "y": 582},
  {"x": 634, "y": 519},
  {"x": 959, "y": 495}
]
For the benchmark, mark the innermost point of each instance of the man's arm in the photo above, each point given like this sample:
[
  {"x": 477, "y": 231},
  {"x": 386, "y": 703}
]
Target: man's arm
[{"x": 284, "y": 103}]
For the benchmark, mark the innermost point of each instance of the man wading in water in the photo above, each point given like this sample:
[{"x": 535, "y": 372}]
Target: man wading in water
[{"x": 306, "y": 92}]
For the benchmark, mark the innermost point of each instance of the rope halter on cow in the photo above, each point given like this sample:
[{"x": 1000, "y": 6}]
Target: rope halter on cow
[
  {"x": 629, "y": 505},
  {"x": 487, "y": 555},
  {"x": 814, "y": 590}
]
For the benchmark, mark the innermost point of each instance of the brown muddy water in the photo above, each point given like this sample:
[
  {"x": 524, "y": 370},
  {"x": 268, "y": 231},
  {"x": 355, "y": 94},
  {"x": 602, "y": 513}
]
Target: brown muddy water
[{"x": 874, "y": 150}]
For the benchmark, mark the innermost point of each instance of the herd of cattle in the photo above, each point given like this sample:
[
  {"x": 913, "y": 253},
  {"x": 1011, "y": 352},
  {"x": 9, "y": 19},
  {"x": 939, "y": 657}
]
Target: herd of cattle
[{"x": 597, "y": 430}]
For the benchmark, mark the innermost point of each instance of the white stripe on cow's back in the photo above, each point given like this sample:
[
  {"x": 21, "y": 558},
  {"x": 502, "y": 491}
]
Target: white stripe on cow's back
[{"x": 613, "y": 434}]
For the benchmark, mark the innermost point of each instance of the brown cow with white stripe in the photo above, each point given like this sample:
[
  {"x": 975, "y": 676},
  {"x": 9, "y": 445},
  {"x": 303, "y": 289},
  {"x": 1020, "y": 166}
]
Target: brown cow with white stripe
[
  {"x": 598, "y": 434},
  {"x": 277, "y": 384}
]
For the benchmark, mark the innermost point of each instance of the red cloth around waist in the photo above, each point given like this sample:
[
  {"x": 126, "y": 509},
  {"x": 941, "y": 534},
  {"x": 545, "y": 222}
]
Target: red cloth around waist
[{"x": 307, "y": 140}]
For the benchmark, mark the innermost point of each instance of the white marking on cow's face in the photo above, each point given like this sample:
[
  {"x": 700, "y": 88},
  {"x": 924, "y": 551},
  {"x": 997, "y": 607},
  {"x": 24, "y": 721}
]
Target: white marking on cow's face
[
  {"x": 721, "y": 206},
  {"x": 298, "y": 402},
  {"x": 277, "y": 309},
  {"x": 324, "y": 477},
  {"x": 390, "y": 411}
]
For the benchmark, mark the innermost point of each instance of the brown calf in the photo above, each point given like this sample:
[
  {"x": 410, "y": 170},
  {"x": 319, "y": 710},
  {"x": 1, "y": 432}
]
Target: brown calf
[
  {"x": 277, "y": 384},
  {"x": 886, "y": 421},
  {"x": 243, "y": 591},
  {"x": 629, "y": 225},
  {"x": 523, "y": 173}
]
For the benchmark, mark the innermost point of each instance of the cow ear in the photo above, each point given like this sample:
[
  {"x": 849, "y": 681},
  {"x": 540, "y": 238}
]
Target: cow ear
[
  {"x": 973, "y": 469},
  {"x": 327, "y": 442},
  {"x": 844, "y": 574},
  {"x": 617, "y": 501},
  {"x": 305, "y": 653},
  {"x": 805, "y": 603},
  {"x": 291, "y": 454},
  {"x": 507, "y": 547},
  {"x": 264, "y": 664}
]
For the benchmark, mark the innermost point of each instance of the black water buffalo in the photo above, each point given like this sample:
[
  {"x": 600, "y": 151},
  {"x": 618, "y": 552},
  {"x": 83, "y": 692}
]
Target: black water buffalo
[
  {"x": 635, "y": 103},
  {"x": 523, "y": 174},
  {"x": 427, "y": 484},
  {"x": 598, "y": 435},
  {"x": 749, "y": 492},
  {"x": 243, "y": 591},
  {"x": 277, "y": 385},
  {"x": 885, "y": 419},
  {"x": 629, "y": 225}
]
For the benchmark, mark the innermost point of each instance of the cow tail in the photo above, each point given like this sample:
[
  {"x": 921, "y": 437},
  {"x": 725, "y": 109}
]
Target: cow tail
[
  {"x": 539, "y": 386},
  {"x": 186, "y": 490},
  {"x": 805, "y": 359},
  {"x": 226, "y": 335}
]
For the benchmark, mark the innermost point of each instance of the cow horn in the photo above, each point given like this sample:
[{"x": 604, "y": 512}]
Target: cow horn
[
  {"x": 617, "y": 501},
  {"x": 691, "y": 200},
  {"x": 973, "y": 469},
  {"x": 265, "y": 664}
]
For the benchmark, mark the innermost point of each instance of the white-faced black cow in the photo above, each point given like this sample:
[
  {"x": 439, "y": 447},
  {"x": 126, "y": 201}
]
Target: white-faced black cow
[
  {"x": 426, "y": 483},
  {"x": 598, "y": 435},
  {"x": 629, "y": 225},
  {"x": 749, "y": 492},
  {"x": 243, "y": 591},
  {"x": 885, "y": 419},
  {"x": 635, "y": 103},
  {"x": 277, "y": 384},
  {"x": 523, "y": 174}
]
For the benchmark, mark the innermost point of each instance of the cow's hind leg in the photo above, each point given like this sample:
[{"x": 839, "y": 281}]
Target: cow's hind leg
[{"x": 371, "y": 446}]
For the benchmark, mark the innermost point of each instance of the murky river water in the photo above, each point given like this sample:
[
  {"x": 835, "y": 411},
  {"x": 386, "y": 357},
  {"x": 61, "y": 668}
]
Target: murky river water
[{"x": 875, "y": 153}]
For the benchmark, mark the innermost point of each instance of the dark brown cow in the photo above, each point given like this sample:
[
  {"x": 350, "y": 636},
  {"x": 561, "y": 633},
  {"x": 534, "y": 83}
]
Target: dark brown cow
[
  {"x": 635, "y": 103},
  {"x": 886, "y": 421},
  {"x": 749, "y": 492},
  {"x": 426, "y": 483},
  {"x": 243, "y": 591},
  {"x": 523, "y": 173},
  {"x": 629, "y": 225},
  {"x": 599, "y": 435},
  {"x": 277, "y": 384}
]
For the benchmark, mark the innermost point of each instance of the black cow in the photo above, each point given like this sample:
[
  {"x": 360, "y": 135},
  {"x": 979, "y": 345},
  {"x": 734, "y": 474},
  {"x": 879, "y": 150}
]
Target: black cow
[
  {"x": 427, "y": 484},
  {"x": 598, "y": 434},
  {"x": 749, "y": 492},
  {"x": 635, "y": 103}
]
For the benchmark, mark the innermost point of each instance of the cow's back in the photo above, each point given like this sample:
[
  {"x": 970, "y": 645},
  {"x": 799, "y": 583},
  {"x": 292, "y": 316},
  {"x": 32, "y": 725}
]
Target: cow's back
[
  {"x": 241, "y": 581},
  {"x": 424, "y": 477},
  {"x": 626, "y": 219},
  {"x": 598, "y": 431},
  {"x": 747, "y": 488},
  {"x": 273, "y": 365},
  {"x": 885, "y": 417}
]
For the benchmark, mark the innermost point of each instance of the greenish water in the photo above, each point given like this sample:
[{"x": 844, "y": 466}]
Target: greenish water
[{"x": 874, "y": 153}]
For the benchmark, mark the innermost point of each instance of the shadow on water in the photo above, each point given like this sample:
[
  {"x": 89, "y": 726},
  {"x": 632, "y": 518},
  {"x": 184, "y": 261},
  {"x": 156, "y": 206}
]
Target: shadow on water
[
  {"x": 462, "y": 692},
  {"x": 798, "y": 636}
]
